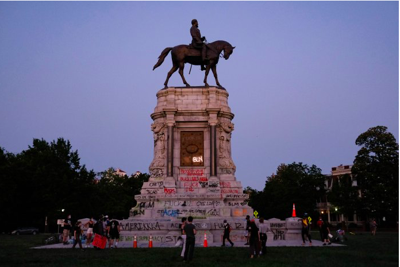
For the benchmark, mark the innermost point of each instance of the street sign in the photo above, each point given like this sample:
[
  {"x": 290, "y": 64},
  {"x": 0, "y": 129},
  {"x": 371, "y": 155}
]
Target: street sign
[{"x": 255, "y": 214}]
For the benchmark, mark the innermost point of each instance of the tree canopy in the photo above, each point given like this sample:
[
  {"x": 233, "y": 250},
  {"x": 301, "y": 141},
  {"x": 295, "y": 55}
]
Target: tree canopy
[
  {"x": 295, "y": 183},
  {"x": 376, "y": 169},
  {"x": 48, "y": 177}
]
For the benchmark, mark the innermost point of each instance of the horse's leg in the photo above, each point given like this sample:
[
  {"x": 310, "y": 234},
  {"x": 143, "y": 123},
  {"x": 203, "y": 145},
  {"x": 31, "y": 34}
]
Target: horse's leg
[
  {"x": 214, "y": 70},
  {"x": 206, "y": 74},
  {"x": 173, "y": 69},
  {"x": 181, "y": 67}
]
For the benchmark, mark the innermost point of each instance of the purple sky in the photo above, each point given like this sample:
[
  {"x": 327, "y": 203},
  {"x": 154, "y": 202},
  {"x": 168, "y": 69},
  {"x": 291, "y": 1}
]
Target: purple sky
[{"x": 305, "y": 79}]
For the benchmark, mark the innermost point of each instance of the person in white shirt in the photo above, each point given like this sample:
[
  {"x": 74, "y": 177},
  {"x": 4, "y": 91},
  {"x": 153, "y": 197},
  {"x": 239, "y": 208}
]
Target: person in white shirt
[{"x": 263, "y": 228}]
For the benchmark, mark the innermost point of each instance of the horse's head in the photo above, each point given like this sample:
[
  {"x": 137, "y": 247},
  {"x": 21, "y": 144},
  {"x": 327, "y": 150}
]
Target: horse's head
[{"x": 228, "y": 50}]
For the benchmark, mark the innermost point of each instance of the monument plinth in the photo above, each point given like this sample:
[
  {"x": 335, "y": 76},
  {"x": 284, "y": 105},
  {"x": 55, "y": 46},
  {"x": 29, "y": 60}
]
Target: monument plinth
[{"x": 192, "y": 172}]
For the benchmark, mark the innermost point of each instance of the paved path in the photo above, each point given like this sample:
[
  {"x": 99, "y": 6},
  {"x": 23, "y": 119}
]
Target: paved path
[{"x": 276, "y": 243}]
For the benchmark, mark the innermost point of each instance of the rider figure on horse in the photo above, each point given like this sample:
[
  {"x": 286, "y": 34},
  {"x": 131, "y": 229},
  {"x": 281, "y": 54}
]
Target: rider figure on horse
[{"x": 198, "y": 41}]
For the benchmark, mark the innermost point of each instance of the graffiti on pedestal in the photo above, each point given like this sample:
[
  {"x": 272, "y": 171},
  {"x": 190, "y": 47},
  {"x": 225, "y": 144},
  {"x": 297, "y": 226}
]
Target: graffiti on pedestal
[
  {"x": 279, "y": 230},
  {"x": 140, "y": 226}
]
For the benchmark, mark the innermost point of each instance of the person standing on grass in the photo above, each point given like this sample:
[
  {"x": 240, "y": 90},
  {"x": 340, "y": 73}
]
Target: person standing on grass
[
  {"x": 325, "y": 232},
  {"x": 89, "y": 232},
  {"x": 227, "y": 230},
  {"x": 320, "y": 222},
  {"x": 106, "y": 227},
  {"x": 114, "y": 229},
  {"x": 67, "y": 229},
  {"x": 254, "y": 239},
  {"x": 373, "y": 226},
  {"x": 247, "y": 229},
  {"x": 190, "y": 231},
  {"x": 263, "y": 228},
  {"x": 181, "y": 226},
  {"x": 77, "y": 235}
]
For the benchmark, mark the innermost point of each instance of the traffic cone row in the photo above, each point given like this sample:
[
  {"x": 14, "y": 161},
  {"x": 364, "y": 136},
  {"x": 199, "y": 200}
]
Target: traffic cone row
[{"x": 205, "y": 244}]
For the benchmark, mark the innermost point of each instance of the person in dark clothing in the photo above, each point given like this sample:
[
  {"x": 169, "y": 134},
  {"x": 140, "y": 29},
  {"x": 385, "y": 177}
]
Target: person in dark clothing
[
  {"x": 67, "y": 229},
  {"x": 190, "y": 231},
  {"x": 254, "y": 239},
  {"x": 247, "y": 229},
  {"x": 198, "y": 41},
  {"x": 227, "y": 230},
  {"x": 320, "y": 222},
  {"x": 98, "y": 227},
  {"x": 325, "y": 232},
  {"x": 77, "y": 235},
  {"x": 113, "y": 230},
  {"x": 305, "y": 229}
]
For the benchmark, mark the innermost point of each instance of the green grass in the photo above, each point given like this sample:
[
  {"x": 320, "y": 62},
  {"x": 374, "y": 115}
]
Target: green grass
[{"x": 361, "y": 250}]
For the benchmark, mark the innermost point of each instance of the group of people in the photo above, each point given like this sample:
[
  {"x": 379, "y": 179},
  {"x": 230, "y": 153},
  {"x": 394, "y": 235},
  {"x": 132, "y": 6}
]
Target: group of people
[
  {"x": 105, "y": 226},
  {"x": 256, "y": 236},
  {"x": 188, "y": 235},
  {"x": 324, "y": 231},
  {"x": 255, "y": 233}
]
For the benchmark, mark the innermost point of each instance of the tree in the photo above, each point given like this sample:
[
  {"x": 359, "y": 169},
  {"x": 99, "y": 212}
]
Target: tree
[
  {"x": 117, "y": 192},
  {"x": 42, "y": 180},
  {"x": 294, "y": 183},
  {"x": 376, "y": 169},
  {"x": 8, "y": 189},
  {"x": 47, "y": 177}
]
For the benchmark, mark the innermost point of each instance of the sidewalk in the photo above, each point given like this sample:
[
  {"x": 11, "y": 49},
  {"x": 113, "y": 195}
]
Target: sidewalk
[{"x": 275, "y": 243}]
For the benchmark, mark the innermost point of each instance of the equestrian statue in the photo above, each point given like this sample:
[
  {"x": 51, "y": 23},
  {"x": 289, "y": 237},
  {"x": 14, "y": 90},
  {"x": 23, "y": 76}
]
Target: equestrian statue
[{"x": 197, "y": 53}]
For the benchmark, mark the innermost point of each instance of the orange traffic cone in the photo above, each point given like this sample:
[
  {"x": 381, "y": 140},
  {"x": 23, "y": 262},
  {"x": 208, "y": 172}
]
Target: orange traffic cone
[
  {"x": 151, "y": 242},
  {"x": 294, "y": 211},
  {"x": 134, "y": 242},
  {"x": 205, "y": 244}
]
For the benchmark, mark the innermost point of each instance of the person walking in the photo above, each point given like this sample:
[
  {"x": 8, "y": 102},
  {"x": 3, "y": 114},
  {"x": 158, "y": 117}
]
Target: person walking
[
  {"x": 77, "y": 235},
  {"x": 181, "y": 226},
  {"x": 227, "y": 230},
  {"x": 254, "y": 239},
  {"x": 89, "y": 232},
  {"x": 305, "y": 229},
  {"x": 263, "y": 228},
  {"x": 190, "y": 231}
]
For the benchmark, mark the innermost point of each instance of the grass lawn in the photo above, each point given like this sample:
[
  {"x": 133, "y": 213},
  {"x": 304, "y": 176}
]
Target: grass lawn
[{"x": 361, "y": 250}]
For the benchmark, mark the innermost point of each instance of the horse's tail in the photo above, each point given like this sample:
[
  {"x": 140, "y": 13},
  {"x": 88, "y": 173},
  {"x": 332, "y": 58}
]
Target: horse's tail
[{"x": 161, "y": 58}]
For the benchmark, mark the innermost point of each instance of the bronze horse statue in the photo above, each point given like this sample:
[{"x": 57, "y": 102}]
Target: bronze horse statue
[{"x": 182, "y": 54}]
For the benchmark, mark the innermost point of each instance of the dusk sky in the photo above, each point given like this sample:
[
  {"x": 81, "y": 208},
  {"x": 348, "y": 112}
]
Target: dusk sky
[{"x": 305, "y": 79}]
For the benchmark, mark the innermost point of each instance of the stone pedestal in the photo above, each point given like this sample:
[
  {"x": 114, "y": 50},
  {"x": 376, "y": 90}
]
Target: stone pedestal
[{"x": 192, "y": 172}]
